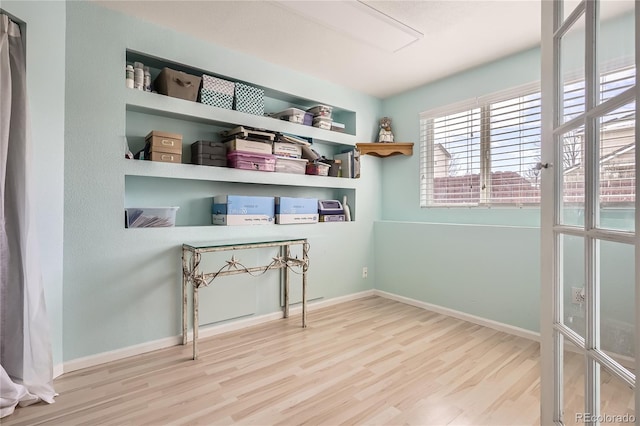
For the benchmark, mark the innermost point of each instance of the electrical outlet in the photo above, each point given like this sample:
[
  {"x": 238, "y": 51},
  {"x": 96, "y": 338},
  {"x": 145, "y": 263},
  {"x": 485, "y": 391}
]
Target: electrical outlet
[
  {"x": 577, "y": 295},
  {"x": 365, "y": 272}
]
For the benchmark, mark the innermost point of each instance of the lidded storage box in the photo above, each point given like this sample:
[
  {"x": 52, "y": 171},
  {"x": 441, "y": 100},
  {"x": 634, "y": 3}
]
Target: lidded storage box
[
  {"x": 177, "y": 84},
  {"x": 286, "y": 149},
  {"x": 293, "y": 115},
  {"x": 209, "y": 153},
  {"x": 246, "y": 145},
  {"x": 217, "y": 92},
  {"x": 164, "y": 146},
  {"x": 252, "y": 161},
  {"x": 322, "y": 122},
  {"x": 321, "y": 111},
  {"x": 242, "y": 210},
  {"x": 249, "y": 99},
  {"x": 291, "y": 165},
  {"x": 320, "y": 169}
]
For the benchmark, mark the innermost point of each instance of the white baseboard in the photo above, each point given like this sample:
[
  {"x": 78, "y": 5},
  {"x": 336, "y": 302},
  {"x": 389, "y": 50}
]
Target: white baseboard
[
  {"x": 101, "y": 358},
  {"x": 506, "y": 328}
]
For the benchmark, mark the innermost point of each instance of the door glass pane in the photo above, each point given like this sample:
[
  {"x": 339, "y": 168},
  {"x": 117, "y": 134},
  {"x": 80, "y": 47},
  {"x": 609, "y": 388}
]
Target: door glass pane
[
  {"x": 572, "y": 69},
  {"x": 617, "y": 405},
  {"x": 572, "y": 203},
  {"x": 617, "y": 174},
  {"x": 572, "y": 277},
  {"x": 616, "y": 47},
  {"x": 573, "y": 385},
  {"x": 617, "y": 296}
]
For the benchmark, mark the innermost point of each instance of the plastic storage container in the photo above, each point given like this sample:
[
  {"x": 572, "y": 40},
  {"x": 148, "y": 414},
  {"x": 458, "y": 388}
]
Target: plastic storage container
[
  {"x": 291, "y": 165},
  {"x": 321, "y": 110},
  {"x": 293, "y": 115},
  {"x": 322, "y": 122},
  {"x": 319, "y": 169},
  {"x": 251, "y": 161},
  {"x": 150, "y": 217}
]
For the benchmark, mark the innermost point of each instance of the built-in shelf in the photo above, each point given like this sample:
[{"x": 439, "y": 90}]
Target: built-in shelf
[
  {"x": 166, "y": 106},
  {"x": 380, "y": 149},
  {"x": 226, "y": 174}
]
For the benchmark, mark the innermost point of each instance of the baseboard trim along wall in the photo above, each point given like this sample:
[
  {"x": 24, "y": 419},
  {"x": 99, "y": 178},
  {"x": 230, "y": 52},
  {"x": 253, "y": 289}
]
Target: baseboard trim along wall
[
  {"x": 117, "y": 354},
  {"x": 510, "y": 329}
]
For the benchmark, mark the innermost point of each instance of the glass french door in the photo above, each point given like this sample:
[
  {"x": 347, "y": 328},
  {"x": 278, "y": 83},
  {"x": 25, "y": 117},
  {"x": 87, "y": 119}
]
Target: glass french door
[{"x": 589, "y": 230}]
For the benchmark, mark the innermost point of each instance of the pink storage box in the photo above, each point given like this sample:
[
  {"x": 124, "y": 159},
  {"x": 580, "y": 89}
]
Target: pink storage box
[{"x": 252, "y": 161}]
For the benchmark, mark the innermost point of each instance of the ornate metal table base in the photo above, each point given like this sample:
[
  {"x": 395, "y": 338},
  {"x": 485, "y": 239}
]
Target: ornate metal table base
[{"x": 191, "y": 256}]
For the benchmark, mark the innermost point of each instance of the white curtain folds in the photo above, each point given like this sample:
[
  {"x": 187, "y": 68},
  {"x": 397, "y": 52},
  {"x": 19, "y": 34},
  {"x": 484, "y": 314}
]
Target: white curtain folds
[{"x": 25, "y": 347}]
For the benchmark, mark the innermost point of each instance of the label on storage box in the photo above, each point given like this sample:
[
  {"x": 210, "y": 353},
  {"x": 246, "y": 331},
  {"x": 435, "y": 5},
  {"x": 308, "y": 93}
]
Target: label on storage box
[
  {"x": 241, "y": 219},
  {"x": 291, "y": 219}
]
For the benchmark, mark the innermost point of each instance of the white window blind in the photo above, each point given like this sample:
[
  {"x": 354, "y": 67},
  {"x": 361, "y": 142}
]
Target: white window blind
[
  {"x": 483, "y": 154},
  {"x": 485, "y": 151}
]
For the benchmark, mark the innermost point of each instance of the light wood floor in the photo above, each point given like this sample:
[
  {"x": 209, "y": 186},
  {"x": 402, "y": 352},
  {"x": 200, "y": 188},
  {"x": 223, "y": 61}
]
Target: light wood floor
[{"x": 371, "y": 361}]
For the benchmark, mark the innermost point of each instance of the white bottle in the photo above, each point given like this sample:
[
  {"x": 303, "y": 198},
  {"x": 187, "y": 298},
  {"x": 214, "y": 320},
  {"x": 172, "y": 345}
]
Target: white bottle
[
  {"x": 147, "y": 79},
  {"x": 129, "y": 76},
  {"x": 138, "y": 76},
  {"x": 347, "y": 210}
]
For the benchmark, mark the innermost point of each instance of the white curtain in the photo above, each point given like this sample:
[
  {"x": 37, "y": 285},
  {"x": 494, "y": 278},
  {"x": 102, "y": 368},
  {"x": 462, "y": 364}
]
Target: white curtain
[{"x": 26, "y": 370}]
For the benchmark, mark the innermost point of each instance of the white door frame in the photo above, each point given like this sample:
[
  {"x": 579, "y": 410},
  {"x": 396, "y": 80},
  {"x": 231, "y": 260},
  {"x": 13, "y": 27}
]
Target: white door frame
[{"x": 553, "y": 331}]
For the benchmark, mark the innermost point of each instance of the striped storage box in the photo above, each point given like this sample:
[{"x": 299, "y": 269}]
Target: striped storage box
[
  {"x": 217, "y": 92},
  {"x": 249, "y": 99}
]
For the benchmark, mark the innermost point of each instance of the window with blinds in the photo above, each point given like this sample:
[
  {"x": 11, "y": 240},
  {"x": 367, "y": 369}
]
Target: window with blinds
[{"x": 485, "y": 151}]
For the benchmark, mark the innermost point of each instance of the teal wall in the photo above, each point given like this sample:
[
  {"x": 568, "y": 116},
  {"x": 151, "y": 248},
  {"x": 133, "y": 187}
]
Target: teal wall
[
  {"x": 45, "y": 35},
  {"x": 481, "y": 261},
  {"x": 122, "y": 286},
  {"x": 486, "y": 261}
]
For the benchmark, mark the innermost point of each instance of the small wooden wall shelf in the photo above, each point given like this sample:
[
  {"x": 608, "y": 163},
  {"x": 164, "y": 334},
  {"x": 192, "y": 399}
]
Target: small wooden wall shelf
[{"x": 386, "y": 149}]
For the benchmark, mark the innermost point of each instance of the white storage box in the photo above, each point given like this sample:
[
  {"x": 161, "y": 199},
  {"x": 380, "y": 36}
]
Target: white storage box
[
  {"x": 150, "y": 217},
  {"x": 246, "y": 145},
  {"x": 285, "y": 149},
  {"x": 291, "y": 165},
  {"x": 218, "y": 85}
]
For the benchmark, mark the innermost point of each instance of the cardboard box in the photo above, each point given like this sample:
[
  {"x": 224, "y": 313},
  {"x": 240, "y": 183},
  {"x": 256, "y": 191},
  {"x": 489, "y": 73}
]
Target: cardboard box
[
  {"x": 245, "y": 145},
  {"x": 164, "y": 142},
  {"x": 165, "y": 157}
]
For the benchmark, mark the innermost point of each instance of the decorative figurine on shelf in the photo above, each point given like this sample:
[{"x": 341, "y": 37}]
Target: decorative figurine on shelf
[{"x": 385, "y": 134}]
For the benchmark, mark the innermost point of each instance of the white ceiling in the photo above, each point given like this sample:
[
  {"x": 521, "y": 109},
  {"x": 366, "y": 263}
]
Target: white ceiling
[{"x": 458, "y": 35}]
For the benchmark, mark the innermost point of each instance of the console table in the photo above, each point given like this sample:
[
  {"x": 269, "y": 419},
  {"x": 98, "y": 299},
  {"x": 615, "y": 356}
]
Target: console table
[{"x": 191, "y": 256}]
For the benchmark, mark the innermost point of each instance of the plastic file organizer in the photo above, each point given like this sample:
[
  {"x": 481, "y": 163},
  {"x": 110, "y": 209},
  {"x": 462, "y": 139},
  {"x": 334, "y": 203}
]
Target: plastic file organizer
[
  {"x": 217, "y": 92},
  {"x": 249, "y": 99}
]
